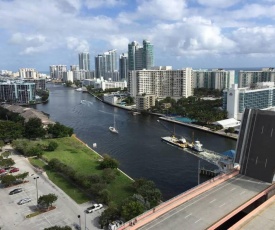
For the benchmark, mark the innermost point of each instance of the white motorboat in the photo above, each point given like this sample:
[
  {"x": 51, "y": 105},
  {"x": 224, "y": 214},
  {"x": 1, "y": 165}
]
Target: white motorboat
[
  {"x": 113, "y": 128},
  {"x": 197, "y": 146}
]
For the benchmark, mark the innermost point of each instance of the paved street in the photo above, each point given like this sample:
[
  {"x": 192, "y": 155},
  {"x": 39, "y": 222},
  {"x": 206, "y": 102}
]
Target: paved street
[{"x": 12, "y": 215}]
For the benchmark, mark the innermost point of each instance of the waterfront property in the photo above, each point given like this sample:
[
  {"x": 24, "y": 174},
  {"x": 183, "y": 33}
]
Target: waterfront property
[{"x": 17, "y": 92}]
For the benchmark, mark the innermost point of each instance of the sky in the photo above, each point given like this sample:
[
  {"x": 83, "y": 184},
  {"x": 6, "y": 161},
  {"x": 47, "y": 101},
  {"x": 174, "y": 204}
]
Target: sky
[{"x": 194, "y": 33}]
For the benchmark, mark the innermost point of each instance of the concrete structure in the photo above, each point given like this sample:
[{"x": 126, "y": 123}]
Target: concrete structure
[
  {"x": 57, "y": 71},
  {"x": 123, "y": 67},
  {"x": 227, "y": 123},
  {"x": 40, "y": 84},
  {"x": 236, "y": 100},
  {"x": 145, "y": 101},
  {"x": 68, "y": 76},
  {"x": 106, "y": 64},
  {"x": 28, "y": 73},
  {"x": 17, "y": 92},
  {"x": 100, "y": 83},
  {"x": 249, "y": 78},
  {"x": 140, "y": 57},
  {"x": 162, "y": 83},
  {"x": 213, "y": 79},
  {"x": 84, "y": 61},
  {"x": 74, "y": 67}
]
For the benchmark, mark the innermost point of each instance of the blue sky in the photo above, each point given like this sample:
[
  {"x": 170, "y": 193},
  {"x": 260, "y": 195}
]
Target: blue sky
[{"x": 194, "y": 33}]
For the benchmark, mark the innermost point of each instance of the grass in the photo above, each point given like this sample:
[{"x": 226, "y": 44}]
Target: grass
[
  {"x": 74, "y": 192},
  {"x": 85, "y": 162}
]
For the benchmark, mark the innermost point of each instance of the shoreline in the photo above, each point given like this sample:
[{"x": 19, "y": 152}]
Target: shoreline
[
  {"x": 169, "y": 119},
  {"x": 74, "y": 136}
]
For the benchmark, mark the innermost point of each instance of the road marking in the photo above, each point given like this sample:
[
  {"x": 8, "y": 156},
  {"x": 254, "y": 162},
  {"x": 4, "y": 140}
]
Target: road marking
[
  {"x": 222, "y": 205},
  {"x": 197, "y": 221},
  {"x": 212, "y": 201},
  {"x": 232, "y": 189},
  {"x": 242, "y": 192},
  {"x": 188, "y": 215}
]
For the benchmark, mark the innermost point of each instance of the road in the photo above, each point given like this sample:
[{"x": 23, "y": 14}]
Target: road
[
  {"x": 207, "y": 208},
  {"x": 13, "y": 216}
]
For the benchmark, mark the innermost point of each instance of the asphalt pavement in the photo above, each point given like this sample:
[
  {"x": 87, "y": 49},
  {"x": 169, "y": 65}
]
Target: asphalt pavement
[{"x": 13, "y": 215}]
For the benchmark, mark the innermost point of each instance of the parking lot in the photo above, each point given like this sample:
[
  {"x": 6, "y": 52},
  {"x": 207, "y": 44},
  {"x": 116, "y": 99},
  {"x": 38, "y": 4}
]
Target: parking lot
[{"x": 13, "y": 215}]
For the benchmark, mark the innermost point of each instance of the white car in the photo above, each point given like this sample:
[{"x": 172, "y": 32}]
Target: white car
[
  {"x": 24, "y": 201},
  {"x": 94, "y": 208}
]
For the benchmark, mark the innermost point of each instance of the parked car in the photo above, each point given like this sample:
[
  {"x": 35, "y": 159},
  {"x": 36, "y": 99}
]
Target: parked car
[
  {"x": 14, "y": 170},
  {"x": 17, "y": 190},
  {"x": 94, "y": 208},
  {"x": 2, "y": 171},
  {"x": 25, "y": 200},
  {"x": 115, "y": 224}
]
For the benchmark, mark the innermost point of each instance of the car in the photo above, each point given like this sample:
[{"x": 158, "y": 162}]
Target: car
[
  {"x": 94, "y": 208},
  {"x": 25, "y": 200},
  {"x": 14, "y": 170},
  {"x": 114, "y": 225},
  {"x": 2, "y": 171},
  {"x": 17, "y": 190}
]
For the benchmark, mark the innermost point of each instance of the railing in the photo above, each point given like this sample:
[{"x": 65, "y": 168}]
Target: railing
[{"x": 168, "y": 202}]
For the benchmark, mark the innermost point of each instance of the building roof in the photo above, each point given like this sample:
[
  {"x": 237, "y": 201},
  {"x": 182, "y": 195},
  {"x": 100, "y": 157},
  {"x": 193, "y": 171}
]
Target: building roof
[
  {"x": 230, "y": 153},
  {"x": 231, "y": 122},
  {"x": 28, "y": 113}
]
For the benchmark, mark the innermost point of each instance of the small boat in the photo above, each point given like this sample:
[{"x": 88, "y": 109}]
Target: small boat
[
  {"x": 136, "y": 113},
  {"x": 113, "y": 128},
  {"x": 197, "y": 146},
  {"x": 179, "y": 142},
  {"x": 79, "y": 89}
]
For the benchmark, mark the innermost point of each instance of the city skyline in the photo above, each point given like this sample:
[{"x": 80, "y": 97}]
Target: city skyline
[{"x": 197, "y": 33}]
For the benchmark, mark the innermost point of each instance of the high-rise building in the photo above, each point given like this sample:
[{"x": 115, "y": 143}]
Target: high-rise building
[
  {"x": 162, "y": 82},
  {"x": 17, "y": 92},
  {"x": 106, "y": 64},
  {"x": 140, "y": 57},
  {"x": 147, "y": 55},
  {"x": 57, "y": 71},
  {"x": 84, "y": 61},
  {"x": 123, "y": 66},
  {"x": 213, "y": 79},
  {"x": 248, "y": 78},
  {"x": 28, "y": 73},
  {"x": 236, "y": 100}
]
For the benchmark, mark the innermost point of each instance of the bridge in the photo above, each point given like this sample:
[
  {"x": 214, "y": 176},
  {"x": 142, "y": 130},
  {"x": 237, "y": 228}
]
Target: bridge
[{"x": 246, "y": 189}]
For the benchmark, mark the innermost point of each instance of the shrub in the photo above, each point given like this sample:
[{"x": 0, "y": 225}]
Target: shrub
[
  {"x": 52, "y": 146},
  {"x": 108, "y": 175},
  {"x": 108, "y": 162}
]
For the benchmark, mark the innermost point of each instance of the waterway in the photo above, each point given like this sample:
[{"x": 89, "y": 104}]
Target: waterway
[{"x": 138, "y": 146}]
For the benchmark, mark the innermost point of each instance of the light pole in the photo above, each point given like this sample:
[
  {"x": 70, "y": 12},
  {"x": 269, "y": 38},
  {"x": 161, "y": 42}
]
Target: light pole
[
  {"x": 79, "y": 221},
  {"x": 35, "y": 178}
]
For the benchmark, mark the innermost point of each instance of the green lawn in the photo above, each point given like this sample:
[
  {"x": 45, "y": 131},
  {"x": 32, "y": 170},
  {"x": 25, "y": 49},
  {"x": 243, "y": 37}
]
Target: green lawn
[{"x": 85, "y": 161}]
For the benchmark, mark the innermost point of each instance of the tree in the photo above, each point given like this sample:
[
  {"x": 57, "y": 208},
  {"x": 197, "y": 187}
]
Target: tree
[
  {"x": 104, "y": 196},
  {"x": 58, "y": 228},
  {"x": 131, "y": 209},
  {"x": 109, "y": 214},
  {"x": 108, "y": 175},
  {"x": 34, "y": 128},
  {"x": 10, "y": 130},
  {"x": 8, "y": 180},
  {"x": 6, "y": 154},
  {"x": 52, "y": 146},
  {"x": 22, "y": 176},
  {"x": 7, "y": 162},
  {"x": 58, "y": 130},
  {"x": 46, "y": 201},
  {"x": 108, "y": 162}
]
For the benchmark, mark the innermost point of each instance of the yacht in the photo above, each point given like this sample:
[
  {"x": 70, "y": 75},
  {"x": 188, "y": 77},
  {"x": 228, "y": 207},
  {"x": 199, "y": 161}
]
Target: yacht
[
  {"x": 197, "y": 146},
  {"x": 113, "y": 128}
]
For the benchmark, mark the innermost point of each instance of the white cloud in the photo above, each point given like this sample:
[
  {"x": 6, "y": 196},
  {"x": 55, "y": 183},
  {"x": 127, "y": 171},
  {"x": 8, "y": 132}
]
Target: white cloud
[
  {"x": 169, "y": 10},
  {"x": 193, "y": 36},
  {"x": 218, "y": 3},
  {"x": 256, "y": 40},
  {"x": 77, "y": 45},
  {"x": 91, "y": 4}
]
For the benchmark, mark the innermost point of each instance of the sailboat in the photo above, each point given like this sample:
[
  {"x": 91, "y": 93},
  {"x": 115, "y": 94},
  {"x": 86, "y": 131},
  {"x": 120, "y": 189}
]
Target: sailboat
[{"x": 113, "y": 128}]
